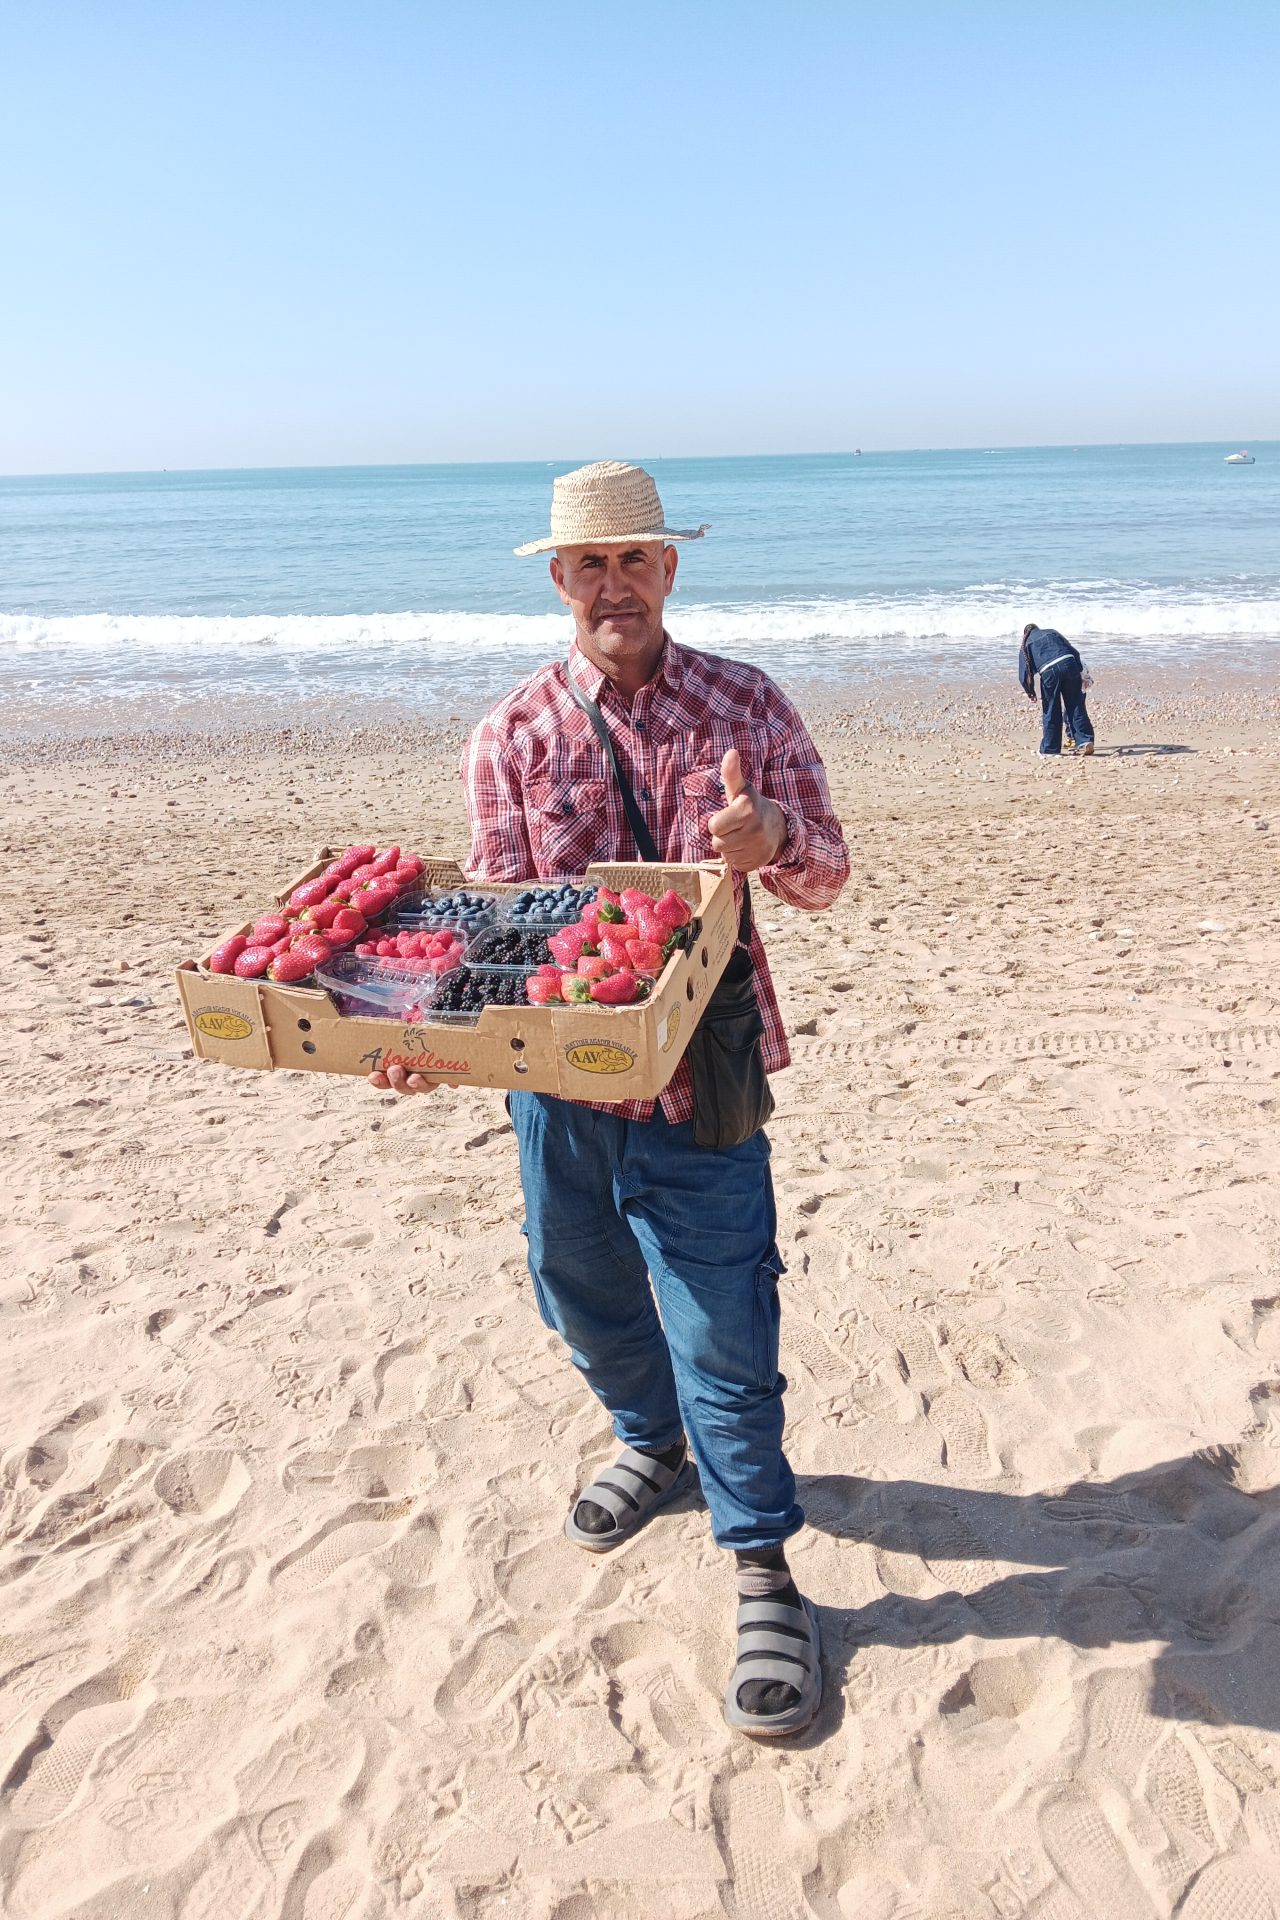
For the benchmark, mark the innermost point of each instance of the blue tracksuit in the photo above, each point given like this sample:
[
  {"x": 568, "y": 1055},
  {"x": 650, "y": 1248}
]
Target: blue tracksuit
[{"x": 1045, "y": 652}]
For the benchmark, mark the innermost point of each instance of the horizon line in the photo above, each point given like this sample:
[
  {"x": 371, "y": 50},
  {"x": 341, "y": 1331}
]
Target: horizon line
[{"x": 829, "y": 453}]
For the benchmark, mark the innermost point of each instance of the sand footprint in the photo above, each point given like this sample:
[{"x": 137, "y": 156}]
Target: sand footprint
[
  {"x": 1172, "y": 1789},
  {"x": 46, "y": 1778},
  {"x": 1232, "y": 1888},
  {"x": 482, "y": 1675},
  {"x": 912, "y": 1342},
  {"x": 958, "y": 1558},
  {"x": 1090, "y": 1858},
  {"x": 762, "y": 1886},
  {"x": 358, "y": 1531},
  {"x": 336, "y": 1894},
  {"x": 674, "y": 1710},
  {"x": 210, "y": 1484},
  {"x": 983, "y": 1358},
  {"x": 961, "y": 1427},
  {"x": 1120, "y": 1729},
  {"x": 808, "y": 1346},
  {"x": 233, "y": 1884}
]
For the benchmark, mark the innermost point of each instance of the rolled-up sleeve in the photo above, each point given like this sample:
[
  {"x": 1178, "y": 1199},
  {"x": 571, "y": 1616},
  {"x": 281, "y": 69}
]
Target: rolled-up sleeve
[
  {"x": 495, "y": 806},
  {"x": 813, "y": 865}
]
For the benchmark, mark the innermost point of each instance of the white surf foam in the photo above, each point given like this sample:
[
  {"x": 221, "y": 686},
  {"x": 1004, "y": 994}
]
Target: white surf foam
[{"x": 980, "y": 617}]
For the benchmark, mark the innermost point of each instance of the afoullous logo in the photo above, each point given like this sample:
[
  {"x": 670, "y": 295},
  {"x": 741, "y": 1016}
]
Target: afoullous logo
[
  {"x": 600, "y": 1056},
  {"x": 669, "y": 1029},
  {"x": 219, "y": 1023}
]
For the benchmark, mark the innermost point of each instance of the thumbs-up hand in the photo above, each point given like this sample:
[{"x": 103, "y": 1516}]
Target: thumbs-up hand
[{"x": 749, "y": 831}]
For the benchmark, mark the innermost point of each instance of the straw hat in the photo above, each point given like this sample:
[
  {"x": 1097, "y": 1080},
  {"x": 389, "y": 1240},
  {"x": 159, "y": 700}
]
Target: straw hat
[{"x": 607, "y": 504}]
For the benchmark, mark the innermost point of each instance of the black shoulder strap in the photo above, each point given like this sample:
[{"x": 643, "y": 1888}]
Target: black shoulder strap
[{"x": 646, "y": 846}]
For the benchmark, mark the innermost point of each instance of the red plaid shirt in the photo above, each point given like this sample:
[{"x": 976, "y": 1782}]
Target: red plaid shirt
[{"x": 542, "y": 800}]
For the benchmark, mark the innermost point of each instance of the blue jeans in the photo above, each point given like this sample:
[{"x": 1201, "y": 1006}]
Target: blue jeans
[
  {"x": 613, "y": 1205},
  {"x": 1061, "y": 687}
]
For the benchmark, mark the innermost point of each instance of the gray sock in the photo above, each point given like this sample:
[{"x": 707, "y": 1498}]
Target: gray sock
[{"x": 763, "y": 1574}]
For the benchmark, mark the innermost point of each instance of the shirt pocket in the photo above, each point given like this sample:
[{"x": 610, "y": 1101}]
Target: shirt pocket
[
  {"x": 701, "y": 795},
  {"x": 569, "y": 826}
]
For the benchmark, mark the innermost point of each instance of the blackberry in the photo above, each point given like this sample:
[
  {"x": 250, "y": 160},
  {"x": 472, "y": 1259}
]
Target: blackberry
[
  {"x": 463, "y": 991},
  {"x": 508, "y": 947}
]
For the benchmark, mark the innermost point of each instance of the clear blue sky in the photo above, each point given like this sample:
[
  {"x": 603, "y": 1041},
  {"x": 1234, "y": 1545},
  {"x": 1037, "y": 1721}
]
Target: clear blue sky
[{"x": 391, "y": 230}]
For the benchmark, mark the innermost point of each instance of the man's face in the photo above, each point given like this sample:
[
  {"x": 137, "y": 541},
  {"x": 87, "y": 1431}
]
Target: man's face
[{"x": 616, "y": 596}]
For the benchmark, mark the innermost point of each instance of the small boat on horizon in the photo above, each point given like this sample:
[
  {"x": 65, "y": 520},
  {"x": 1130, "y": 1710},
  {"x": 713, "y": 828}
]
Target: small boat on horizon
[{"x": 1241, "y": 459}]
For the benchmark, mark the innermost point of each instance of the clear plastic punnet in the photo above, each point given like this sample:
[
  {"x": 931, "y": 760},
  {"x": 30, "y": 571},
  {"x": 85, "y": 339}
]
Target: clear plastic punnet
[
  {"x": 463, "y": 909},
  {"x": 546, "y": 904},
  {"x": 504, "y": 948},
  {"x": 462, "y": 996},
  {"x": 364, "y": 987}
]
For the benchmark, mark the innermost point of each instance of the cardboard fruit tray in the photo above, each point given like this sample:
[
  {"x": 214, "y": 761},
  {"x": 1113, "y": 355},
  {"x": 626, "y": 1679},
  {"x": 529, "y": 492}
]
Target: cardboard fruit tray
[{"x": 583, "y": 1053}]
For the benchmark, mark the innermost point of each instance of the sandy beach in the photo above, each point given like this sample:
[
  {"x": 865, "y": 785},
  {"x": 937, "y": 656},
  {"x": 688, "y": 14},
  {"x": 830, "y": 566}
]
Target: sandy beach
[{"x": 288, "y": 1623}]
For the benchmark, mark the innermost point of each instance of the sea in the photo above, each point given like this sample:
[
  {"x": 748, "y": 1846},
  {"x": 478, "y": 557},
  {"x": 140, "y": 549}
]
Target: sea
[{"x": 149, "y": 600}]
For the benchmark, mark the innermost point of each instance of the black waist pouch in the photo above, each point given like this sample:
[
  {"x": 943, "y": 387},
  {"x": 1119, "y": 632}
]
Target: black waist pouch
[{"x": 731, "y": 1094}]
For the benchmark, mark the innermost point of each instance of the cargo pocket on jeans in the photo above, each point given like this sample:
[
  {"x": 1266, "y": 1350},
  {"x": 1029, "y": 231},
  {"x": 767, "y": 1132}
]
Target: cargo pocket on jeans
[{"x": 767, "y": 1316}]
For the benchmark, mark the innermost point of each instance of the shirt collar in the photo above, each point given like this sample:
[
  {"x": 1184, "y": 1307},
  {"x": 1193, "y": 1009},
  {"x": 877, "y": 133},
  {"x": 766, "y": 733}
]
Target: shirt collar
[{"x": 592, "y": 680}]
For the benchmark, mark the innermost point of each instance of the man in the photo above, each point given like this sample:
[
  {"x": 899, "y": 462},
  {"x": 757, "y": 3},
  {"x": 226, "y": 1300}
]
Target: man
[
  {"x": 1045, "y": 652},
  {"x": 623, "y": 1209}
]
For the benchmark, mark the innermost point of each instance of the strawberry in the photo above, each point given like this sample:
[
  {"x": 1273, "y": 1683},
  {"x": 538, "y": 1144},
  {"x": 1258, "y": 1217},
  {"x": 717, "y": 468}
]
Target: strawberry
[
  {"x": 619, "y": 990},
  {"x": 252, "y": 962},
  {"x": 314, "y": 948},
  {"x": 223, "y": 959},
  {"x": 568, "y": 944},
  {"x": 673, "y": 911},
  {"x": 310, "y": 893},
  {"x": 409, "y": 868},
  {"x": 269, "y": 927},
  {"x": 386, "y": 861},
  {"x": 356, "y": 856},
  {"x": 633, "y": 901},
  {"x": 348, "y": 922},
  {"x": 288, "y": 968},
  {"x": 593, "y": 966},
  {"x": 645, "y": 956},
  {"x": 283, "y": 944},
  {"x": 613, "y": 949},
  {"x": 325, "y": 914},
  {"x": 574, "y": 989},
  {"x": 609, "y": 905},
  {"x": 545, "y": 972},
  {"x": 375, "y": 899},
  {"x": 540, "y": 991}
]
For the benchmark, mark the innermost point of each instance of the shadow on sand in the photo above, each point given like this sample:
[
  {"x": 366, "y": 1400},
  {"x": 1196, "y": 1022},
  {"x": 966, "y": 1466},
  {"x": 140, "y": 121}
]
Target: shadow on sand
[
  {"x": 1187, "y": 1552},
  {"x": 1130, "y": 751}
]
